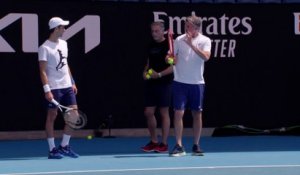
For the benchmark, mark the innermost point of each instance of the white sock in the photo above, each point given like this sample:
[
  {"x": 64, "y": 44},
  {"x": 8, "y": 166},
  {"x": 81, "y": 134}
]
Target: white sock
[
  {"x": 65, "y": 140},
  {"x": 51, "y": 143}
]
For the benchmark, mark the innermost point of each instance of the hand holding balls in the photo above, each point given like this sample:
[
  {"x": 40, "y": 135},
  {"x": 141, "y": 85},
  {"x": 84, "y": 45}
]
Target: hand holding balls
[{"x": 149, "y": 73}]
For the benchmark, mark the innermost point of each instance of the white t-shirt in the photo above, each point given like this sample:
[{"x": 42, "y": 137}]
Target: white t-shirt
[
  {"x": 190, "y": 66},
  {"x": 57, "y": 65}
]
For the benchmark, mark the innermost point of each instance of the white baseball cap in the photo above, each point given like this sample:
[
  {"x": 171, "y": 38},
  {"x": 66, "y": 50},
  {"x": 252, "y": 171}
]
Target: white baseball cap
[{"x": 56, "y": 21}]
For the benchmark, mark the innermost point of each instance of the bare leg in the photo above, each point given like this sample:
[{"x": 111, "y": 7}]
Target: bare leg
[
  {"x": 197, "y": 125},
  {"x": 178, "y": 126},
  {"x": 151, "y": 122},
  {"x": 49, "y": 126},
  {"x": 165, "y": 118}
]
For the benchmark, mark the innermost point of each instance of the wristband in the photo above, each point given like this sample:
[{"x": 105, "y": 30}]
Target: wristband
[
  {"x": 159, "y": 75},
  {"x": 46, "y": 88}
]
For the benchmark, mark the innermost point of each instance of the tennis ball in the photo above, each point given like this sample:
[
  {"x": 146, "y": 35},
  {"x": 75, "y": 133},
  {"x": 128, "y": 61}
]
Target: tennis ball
[
  {"x": 89, "y": 137},
  {"x": 148, "y": 76},
  {"x": 170, "y": 60},
  {"x": 150, "y": 71}
]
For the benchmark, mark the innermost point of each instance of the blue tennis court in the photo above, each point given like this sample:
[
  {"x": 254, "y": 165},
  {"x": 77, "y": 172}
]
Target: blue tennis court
[{"x": 261, "y": 155}]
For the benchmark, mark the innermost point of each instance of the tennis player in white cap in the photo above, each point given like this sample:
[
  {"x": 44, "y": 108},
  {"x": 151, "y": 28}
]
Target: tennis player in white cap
[{"x": 58, "y": 84}]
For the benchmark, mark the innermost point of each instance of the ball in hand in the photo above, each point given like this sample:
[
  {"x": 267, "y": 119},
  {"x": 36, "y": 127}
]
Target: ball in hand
[
  {"x": 170, "y": 60},
  {"x": 148, "y": 76},
  {"x": 150, "y": 71}
]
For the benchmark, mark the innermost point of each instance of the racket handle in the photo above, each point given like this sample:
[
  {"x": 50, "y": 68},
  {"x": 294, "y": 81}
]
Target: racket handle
[{"x": 54, "y": 102}]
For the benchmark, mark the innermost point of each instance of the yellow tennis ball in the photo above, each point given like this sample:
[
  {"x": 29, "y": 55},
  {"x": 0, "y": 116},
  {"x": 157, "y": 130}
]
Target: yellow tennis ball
[
  {"x": 170, "y": 60},
  {"x": 89, "y": 137},
  {"x": 148, "y": 76},
  {"x": 150, "y": 71}
]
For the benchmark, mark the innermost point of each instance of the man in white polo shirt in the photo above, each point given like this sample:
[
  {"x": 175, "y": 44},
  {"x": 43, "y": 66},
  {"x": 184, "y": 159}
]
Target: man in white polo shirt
[
  {"x": 58, "y": 84},
  {"x": 191, "y": 49}
]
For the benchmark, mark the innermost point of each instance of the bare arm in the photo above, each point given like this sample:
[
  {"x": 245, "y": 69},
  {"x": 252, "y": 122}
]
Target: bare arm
[
  {"x": 74, "y": 87},
  {"x": 43, "y": 75},
  {"x": 155, "y": 74},
  {"x": 205, "y": 55},
  {"x": 44, "y": 79},
  {"x": 167, "y": 71}
]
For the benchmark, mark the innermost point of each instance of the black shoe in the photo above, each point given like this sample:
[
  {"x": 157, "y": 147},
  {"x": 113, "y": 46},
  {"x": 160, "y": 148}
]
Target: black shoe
[
  {"x": 197, "y": 151},
  {"x": 177, "y": 151}
]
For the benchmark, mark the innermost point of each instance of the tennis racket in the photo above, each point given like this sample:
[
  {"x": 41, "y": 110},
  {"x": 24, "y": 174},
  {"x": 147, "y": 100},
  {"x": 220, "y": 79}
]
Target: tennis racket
[
  {"x": 170, "y": 59},
  {"x": 74, "y": 118},
  {"x": 249, "y": 130}
]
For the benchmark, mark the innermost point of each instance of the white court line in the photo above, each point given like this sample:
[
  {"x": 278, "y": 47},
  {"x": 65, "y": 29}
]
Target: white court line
[{"x": 153, "y": 169}]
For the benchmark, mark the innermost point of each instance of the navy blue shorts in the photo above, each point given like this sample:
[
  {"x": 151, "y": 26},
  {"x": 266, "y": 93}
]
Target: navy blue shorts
[
  {"x": 64, "y": 96},
  {"x": 157, "y": 95},
  {"x": 187, "y": 96}
]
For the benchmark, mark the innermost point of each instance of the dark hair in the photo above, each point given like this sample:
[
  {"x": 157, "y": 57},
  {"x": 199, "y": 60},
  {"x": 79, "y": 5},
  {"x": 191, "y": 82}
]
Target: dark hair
[
  {"x": 52, "y": 30},
  {"x": 160, "y": 24}
]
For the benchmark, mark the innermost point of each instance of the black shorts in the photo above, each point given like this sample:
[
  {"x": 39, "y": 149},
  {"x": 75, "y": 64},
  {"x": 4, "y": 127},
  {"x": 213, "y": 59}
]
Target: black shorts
[{"x": 158, "y": 95}]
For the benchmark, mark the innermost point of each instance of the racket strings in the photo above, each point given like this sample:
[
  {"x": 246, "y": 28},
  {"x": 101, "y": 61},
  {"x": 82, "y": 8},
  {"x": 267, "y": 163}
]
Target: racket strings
[{"x": 75, "y": 119}]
